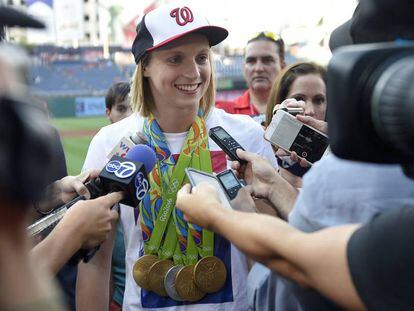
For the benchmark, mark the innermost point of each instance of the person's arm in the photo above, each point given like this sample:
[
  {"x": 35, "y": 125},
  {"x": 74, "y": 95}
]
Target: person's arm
[
  {"x": 85, "y": 225},
  {"x": 316, "y": 260},
  {"x": 93, "y": 280}
]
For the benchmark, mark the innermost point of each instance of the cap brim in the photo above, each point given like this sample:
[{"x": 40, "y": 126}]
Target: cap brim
[
  {"x": 214, "y": 34},
  {"x": 11, "y": 17},
  {"x": 341, "y": 36}
]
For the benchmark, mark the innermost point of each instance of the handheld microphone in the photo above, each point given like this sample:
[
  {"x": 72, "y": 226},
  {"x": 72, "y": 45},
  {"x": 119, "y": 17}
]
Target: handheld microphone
[
  {"x": 119, "y": 174},
  {"x": 129, "y": 174}
]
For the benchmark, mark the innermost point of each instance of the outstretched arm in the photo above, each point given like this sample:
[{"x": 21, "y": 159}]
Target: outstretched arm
[
  {"x": 85, "y": 225},
  {"x": 316, "y": 260}
]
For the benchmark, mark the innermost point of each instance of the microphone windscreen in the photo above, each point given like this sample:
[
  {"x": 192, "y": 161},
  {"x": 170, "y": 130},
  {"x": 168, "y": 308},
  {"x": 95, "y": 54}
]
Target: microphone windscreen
[{"x": 143, "y": 154}]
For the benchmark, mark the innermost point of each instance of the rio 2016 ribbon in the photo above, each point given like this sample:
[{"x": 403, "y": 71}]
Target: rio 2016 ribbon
[
  {"x": 169, "y": 175},
  {"x": 187, "y": 245},
  {"x": 203, "y": 238}
]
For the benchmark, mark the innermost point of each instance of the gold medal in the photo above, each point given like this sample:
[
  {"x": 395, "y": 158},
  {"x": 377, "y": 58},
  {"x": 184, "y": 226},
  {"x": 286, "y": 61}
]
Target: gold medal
[
  {"x": 156, "y": 276},
  {"x": 210, "y": 274},
  {"x": 185, "y": 286},
  {"x": 141, "y": 269}
]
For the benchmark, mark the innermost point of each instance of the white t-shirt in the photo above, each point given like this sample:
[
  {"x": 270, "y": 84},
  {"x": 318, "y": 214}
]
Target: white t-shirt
[{"x": 244, "y": 130}]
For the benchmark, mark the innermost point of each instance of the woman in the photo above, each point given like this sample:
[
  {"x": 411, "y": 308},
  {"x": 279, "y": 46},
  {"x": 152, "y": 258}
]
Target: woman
[
  {"x": 299, "y": 85},
  {"x": 173, "y": 98}
]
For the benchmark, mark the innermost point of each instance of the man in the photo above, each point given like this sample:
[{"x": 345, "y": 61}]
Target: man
[
  {"x": 264, "y": 59},
  {"x": 117, "y": 102}
]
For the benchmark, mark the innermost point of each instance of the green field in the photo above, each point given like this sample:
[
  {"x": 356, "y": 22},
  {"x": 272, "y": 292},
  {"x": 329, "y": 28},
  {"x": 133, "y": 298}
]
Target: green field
[
  {"x": 80, "y": 123},
  {"x": 77, "y": 147}
]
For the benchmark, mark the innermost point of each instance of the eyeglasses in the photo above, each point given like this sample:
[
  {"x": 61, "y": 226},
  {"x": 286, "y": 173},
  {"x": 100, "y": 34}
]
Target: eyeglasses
[{"x": 265, "y": 35}]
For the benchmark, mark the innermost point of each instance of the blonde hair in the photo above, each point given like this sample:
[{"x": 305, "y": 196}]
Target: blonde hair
[{"x": 142, "y": 100}]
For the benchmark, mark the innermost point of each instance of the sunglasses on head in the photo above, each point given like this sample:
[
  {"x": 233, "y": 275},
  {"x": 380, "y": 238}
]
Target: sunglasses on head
[{"x": 265, "y": 35}]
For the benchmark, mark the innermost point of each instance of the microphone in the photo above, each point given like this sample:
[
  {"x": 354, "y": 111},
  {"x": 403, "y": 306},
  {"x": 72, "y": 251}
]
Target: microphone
[
  {"x": 122, "y": 148},
  {"x": 129, "y": 174},
  {"x": 119, "y": 174},
  {"x": 141, "y": 179}
]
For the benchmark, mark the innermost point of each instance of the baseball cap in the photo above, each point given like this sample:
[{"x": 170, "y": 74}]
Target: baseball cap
[
  {"x": 376, "y": 21},
  {"x": 12, "y": 17},
  {"x": 170, "y": 22}
]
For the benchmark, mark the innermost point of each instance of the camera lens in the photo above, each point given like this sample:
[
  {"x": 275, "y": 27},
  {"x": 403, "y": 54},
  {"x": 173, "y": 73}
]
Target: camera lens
[{"x": 392, "y": 104}]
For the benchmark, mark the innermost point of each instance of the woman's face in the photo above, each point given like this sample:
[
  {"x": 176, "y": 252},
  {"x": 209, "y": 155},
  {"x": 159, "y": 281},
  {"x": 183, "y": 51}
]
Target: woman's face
[
  {"x": 179, "y": 73},
  {"x": 312, "y": 90}
]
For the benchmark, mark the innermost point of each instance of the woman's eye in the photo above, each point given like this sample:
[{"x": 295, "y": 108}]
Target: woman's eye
[
  {"x": 298, "y": 98},
  {"x": 174, "y": 60},
  {"x": 320, "y": 100},
  {"x": 202, "y": 59}
]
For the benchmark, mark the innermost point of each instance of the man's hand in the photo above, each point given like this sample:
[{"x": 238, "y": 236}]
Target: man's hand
[
  {"x": 201, "y": 205},
  {"x": 70, "y": 186},
  {"x": 91, "y": 221},
  {"x": 243, "y": 201},
  {"x": 258, "y": 173}
]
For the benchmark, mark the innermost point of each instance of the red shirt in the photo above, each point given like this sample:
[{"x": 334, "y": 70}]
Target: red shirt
[{"x": 241, "y": 105}]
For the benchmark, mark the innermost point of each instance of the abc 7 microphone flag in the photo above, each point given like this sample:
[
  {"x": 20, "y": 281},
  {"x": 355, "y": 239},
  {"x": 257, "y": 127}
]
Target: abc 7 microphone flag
[{"x": 129, "y": 174}]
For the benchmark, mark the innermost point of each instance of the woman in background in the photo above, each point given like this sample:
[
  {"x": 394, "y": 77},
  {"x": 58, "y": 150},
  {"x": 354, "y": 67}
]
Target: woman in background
[{"x": 299, "y": 85}]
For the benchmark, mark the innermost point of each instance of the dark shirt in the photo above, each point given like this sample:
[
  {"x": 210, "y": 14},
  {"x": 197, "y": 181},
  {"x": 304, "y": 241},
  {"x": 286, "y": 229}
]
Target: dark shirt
[{"x": 381, "y": 257}]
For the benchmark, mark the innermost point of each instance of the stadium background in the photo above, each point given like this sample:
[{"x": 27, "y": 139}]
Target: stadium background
[{"x": 86, "y": 48}]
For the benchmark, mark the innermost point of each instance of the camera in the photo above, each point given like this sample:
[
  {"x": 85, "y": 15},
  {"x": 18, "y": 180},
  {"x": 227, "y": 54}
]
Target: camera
[{"x": 371, "y": 102}]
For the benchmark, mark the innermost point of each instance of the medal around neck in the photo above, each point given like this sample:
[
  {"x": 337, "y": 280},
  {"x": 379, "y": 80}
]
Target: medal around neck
[
  {"x": 141, "y": 269},
  {"x": 185, "y": 286},
  {"x": 156, "y": 275},
  {"x": 210, "y": 274}
]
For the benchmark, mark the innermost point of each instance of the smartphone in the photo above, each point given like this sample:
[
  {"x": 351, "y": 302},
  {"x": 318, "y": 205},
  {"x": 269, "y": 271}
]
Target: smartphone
[
  {"x": 288, "y": 133},
  {"x": 195, "y": 177},
  {"x": 227, "y": 143},
  {"x": 230, "y": 183}
]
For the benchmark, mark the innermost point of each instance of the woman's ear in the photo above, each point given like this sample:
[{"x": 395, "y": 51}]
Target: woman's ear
[{"x": 145, "y": 71}]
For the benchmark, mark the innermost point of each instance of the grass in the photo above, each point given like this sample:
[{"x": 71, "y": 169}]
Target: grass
[
  {"x": 76, "y": 147},
  {"x": 75, "y": 152},
  {"x": 80, "y": 123}
]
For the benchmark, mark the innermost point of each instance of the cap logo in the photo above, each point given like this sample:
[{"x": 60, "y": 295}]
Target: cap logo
[{"x": 182, "y": 16}]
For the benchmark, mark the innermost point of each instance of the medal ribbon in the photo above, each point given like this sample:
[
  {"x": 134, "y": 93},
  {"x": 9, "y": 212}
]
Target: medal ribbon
[
  {"x": 194, "y": 240},
  {"x": 159, "y": 203}
]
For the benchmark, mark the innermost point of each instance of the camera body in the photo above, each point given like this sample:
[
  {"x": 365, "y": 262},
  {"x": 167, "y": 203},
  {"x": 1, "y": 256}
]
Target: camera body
[{"x": 371, "y": 103}]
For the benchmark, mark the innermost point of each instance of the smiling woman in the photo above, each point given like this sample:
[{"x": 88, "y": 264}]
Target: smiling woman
[
  {"x": 172, "y": 96},
  {"x": 178, "y": 76}
]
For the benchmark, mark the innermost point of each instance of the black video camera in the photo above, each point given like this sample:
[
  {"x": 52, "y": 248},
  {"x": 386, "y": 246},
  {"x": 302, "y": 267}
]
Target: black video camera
[{"x": 371, "y": 102}]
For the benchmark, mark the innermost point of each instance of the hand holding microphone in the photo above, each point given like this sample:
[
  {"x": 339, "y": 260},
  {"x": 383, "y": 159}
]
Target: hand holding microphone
[
  {"x": 92, "y": 220},
  {"x": 125, "y": 175}
]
